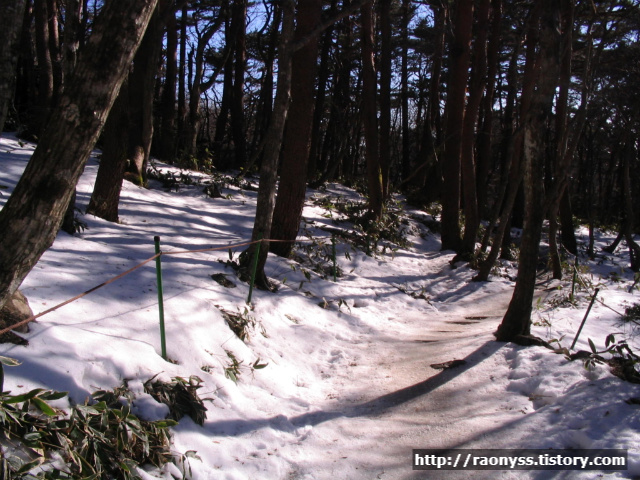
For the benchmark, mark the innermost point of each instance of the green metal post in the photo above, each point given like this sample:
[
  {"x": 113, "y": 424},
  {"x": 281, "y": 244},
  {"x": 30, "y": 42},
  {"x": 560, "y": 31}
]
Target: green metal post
[
  {"x": 333, "y": 256},
  {"x": 163, "y": 342},
  {"x": 254, "y": 267}
]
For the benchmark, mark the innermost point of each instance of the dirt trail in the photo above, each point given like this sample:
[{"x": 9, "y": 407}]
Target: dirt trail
[{"x": 391, "y": 400}]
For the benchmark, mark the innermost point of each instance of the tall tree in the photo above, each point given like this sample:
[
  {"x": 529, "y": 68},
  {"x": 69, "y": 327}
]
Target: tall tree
[
  {"x": 199, "y": 84},
  {"x": 295, "y": 155},
  {"x": 385, "y": 95},
  {"x": 10, "y": 27},
  {"x": 272, "y": 146},
  {"x": 239, "y": 29},
  {"x": 459, "y": 53},
  {"x": 517, "y": 319},
  {"x": 477, "y": 83},
  {"x": 105, "y": 198},
  {"x": 404, "y": 75},
  {"x": 167, "y": 141},
  {"x": 141, "y": 94},
  {"x": 31, "y": 217},
  {"x": 370, "y": 113},
  {"x": 40, "y": 115}
]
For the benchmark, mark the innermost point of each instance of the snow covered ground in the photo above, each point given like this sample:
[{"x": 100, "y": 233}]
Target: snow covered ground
[{"x": 349, "y": 388}]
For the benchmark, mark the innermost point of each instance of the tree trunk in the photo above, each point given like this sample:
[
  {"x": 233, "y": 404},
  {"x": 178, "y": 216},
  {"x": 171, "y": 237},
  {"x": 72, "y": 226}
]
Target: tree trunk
[
  {"x": 223, "y": 113},
  {"x": 484, "y": 155},
  {"x": 454, "y": 112},
  {"x": 238, "y": 26},
  {"x": 181, "y": 135},
  {"x": 167, "y": 142},
  {"x": 293, "y": 179},
  {"x": 55, "y": 51},
  {"x": 113, "y": 163},
  {"x": 385, "y": 95},
  {"x": 67, "y": 62},
  {"x": 634, "y": 248},
  {"x": 31, "y": 217},
  {"x": 141, "y": 95},
  {"x": 567, "y": 232},
  {"x": 512, "y": 148},
  {"x": 319, "y": 109},
  {"x": 72, "y": 36},
  {"x": 369, "y": 113},
  {"x": 10, "y": 28},
  {"x": 266, "y": 92},
  {"x": 273, "y": 143},
  {"x": 478, "y": 83},
  {"x": 517, "y": 319},
  {"x": 404, "y": 79},
  {"x": 198, "y": 85},
  {"x": 40, "y": 114},
  {"x": 562, "y": 134}
]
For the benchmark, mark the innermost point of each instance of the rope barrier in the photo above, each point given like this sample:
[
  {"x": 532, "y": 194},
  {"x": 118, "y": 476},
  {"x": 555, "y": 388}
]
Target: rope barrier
[
  {"x": 77, "y": 297},
  {"x": 150, "y": 259}
]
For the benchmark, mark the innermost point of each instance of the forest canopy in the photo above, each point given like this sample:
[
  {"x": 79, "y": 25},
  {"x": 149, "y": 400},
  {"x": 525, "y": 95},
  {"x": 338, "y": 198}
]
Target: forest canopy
[{"x": 496, "y": 114}]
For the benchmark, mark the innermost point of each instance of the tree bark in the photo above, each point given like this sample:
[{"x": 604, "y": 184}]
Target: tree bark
[
  {"x": 321, "y": 94},
  {"x": 634, "y": 249},
  {"x": 198, "y": 85},
  {"x": 404, "y": 79},
  {"x": 167, "y": 142},
  {"x": 40, "y": 114},
  {"x": 10, "y": 28},
  {"x": 273, "y": 144},
  {"x": 105, "y": 198},
  {"x": 484, "y": 155},
  {"x": 459, "y": 52},
  {"x": 238, "y": 27},
  {"x": 369, "y": 113},
  {"x": 385, "y": 95},
  {"x": 293, "y": 177},
  {"x": 517, "y": 319},
  {"x": 72, "y": 35},
  {"x": 478, "y": 83},
  {"x": 181, "y": 135},
  {"x": 31, "y": 217},
  {"x": 141, "y": 90}
]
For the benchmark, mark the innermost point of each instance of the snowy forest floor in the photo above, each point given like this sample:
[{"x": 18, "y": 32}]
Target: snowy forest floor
[{"x": 349, "y": 388}]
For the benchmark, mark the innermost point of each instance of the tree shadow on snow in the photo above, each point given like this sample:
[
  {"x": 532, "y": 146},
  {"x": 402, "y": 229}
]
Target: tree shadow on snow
[{"x": 376, "y": 406}]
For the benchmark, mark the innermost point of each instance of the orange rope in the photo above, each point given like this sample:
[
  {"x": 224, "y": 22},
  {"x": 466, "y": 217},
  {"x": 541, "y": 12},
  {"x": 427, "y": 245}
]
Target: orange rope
[{"x": 77, "y": 297}]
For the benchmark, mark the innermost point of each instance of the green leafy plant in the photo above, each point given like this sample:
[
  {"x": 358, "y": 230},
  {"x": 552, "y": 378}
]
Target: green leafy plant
[
  {"x": 99, "y": 439},
  {"x": 632, "y": 314},
  {"x": 233, "y": 370},
  {"x": 180, "y": 395},
  {"x": 240, "y": 323},
  {"x": 623, "y": 359}
]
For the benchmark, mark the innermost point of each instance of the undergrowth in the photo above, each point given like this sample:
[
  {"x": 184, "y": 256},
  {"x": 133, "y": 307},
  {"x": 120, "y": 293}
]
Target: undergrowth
[
  {"x": 99, "y": 439},
  {"x": 390, "y": 230},
  {"x": 181, "y": 396}
]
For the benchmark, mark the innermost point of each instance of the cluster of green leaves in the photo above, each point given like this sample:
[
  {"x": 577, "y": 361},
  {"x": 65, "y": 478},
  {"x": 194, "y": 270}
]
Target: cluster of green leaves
[
  {"x": 632, "y": 314},
  {"x": 98, "y": 440},
  {"x": 240, "y": 323},
  {"x": 225, "y": 180},
  {"x": 623, "y": 359},
  {"x": 390, "y": 227},
  {"x": 180, "y": 395},
  {"x": 169, "y": 179},
  {"x": 317, "y": 254},
  {"x": 233, "y": 370},
  {"x": 581, "y": 281}
]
